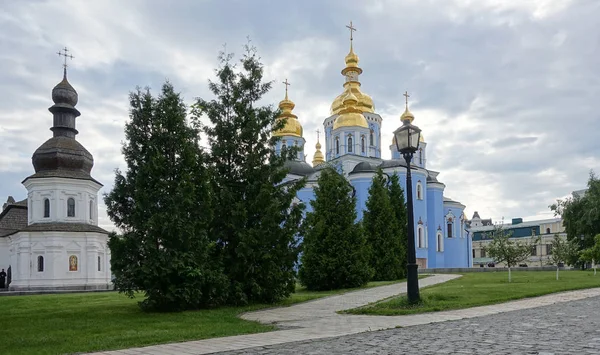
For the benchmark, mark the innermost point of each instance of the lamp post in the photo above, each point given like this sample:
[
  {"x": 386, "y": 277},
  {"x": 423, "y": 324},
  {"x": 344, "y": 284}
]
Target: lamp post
[{"x": 407, "y": 142}]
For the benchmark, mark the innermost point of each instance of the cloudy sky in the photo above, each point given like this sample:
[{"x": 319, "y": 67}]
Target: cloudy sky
[{"x": 507, "y": 92}]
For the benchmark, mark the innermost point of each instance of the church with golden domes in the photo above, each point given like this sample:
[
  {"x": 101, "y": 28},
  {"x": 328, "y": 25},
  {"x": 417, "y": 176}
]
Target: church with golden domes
[{"x": 353, "y": 146}]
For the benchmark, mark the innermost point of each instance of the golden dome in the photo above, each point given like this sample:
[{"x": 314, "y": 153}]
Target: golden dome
[
  {"x": 350, "y": 115},
  {"x": 292, "y": 126},
  {"x": 407, "y": 116},
  {"x": 318, "y": 158},
  {"x": 351, "y": 72}
]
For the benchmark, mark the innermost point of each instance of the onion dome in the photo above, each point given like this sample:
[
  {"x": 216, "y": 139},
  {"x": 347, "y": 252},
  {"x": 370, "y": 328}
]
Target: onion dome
[
  {"x": 351, "y": 72},
  {"x": 362, "y": 167},
  {"x": 318, "y": 158},
  {"x": 298, "y": 167},
  {"x": 350, "y": 115},
  {"x": 292, "y": 126},
  {"x": 407, "y": 116},
  {"x": 62, "y": 155}
]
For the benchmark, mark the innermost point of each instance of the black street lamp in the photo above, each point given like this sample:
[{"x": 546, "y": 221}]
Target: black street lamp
[{"x": 407, "y": 142}]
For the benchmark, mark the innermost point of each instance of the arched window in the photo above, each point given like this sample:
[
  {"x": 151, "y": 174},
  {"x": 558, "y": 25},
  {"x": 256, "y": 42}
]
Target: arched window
[
  {"x": 91, "y": 209},
  {"x": 371, "y": 138},
  {"x": 350, "y": 144},
  {"x": 46, "y": 208},
  {"x": 440, "y": 242},
  {"x": 547, "y": 230},
  {"x": 337, "y": 145},
  {"x": 450, "y": 225},
  {"x": 99, "y": 263},
  {"x": 419, "y": 191},
  {"x": 71, "y": 207},
  {"x": 40, "y": 263},
  {"x": 421, "y": 239},
  {"x": 421, "y": 156},
  {"x": 362, "y": 144}
]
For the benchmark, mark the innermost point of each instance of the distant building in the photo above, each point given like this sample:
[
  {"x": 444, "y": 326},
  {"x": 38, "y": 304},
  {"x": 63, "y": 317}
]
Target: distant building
[{"x": 525, "y": 231}]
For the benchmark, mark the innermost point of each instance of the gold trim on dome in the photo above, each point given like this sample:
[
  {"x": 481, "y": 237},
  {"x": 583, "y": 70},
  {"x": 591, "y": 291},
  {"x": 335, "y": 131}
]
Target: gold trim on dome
[
  {"x": 292, "y": 126},
  {"x": 350, "y": 115}
]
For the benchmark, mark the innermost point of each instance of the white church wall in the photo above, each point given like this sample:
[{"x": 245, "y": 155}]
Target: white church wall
[
  {"x": 70, "y": 260},
  {"x": 4, "y": 253},
  {"x": 58, "y": 191}
]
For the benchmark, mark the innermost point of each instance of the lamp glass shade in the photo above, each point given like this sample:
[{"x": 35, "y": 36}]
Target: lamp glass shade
[{"x": 407, "y": 138}]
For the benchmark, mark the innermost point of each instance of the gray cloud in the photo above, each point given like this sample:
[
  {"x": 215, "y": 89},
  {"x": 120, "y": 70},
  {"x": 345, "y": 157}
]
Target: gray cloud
[{"x": 505, "y": 91}]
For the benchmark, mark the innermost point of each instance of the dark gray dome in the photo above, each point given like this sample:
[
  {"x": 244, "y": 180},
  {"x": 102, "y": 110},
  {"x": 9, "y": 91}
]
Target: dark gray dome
[
  {"x": 62, "y": 153},
  {"x": 298, "y": 167},
  {"x": 64, "y": 93},
  {"x": 363, "y": 167}
]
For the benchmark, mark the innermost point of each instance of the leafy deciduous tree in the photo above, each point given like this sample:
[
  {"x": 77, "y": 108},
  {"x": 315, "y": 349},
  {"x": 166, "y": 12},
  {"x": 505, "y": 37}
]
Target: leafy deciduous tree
[
  {"x": 507, "y": 251},
  {"x": 562, "y": 252}
]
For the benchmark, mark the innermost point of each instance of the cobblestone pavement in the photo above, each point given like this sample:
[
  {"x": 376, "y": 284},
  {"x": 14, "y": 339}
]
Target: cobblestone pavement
[
  {"x": 562, "y": 328},
  {"x": 476, "y": 333}
]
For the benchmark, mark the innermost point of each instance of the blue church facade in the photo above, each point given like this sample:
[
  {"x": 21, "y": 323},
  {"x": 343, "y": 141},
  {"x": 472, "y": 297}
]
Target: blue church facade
[{"x": 353, "y": 146}]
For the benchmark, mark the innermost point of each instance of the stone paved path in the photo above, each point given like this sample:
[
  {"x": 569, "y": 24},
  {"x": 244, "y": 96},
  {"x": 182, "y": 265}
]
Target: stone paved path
[
  {"x": 561, "y": 328},
  {"x": 317, "y": 320}
]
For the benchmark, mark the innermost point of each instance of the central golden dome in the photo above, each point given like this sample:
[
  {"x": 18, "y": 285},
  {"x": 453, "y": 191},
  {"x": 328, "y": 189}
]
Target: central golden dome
[
  {"x": 292, "y": 126},
  {"x": 350, "y": 115},
  {"x": 351, "y": 72}
]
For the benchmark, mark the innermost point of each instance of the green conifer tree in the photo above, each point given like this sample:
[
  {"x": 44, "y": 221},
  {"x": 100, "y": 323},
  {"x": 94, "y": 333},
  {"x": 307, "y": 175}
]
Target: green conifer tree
[
  {"x": 399, "y": 206},
  {"x": 335, "y": 253},
  {"x": 382, "y": 232},
  {"x": 255, "y": 222},
  {"x": 160, "y": 203}
]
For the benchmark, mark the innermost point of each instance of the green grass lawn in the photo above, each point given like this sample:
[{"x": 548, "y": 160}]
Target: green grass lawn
[
  {"x": 72, "y": 323},
  {"x": 484, "y": 288}
]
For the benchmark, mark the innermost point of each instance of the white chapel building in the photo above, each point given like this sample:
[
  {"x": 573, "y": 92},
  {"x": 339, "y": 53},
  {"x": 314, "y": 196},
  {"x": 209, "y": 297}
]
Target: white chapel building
[{"x": 51, "y": 240}]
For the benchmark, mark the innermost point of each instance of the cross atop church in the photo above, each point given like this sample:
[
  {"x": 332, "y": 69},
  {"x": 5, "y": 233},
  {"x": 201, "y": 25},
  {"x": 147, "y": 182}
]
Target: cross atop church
[
  {"x": 286, "y": 83},
  {"x": 352, "y": 29},
  {"x": 64, "y": 53},
  {"x": 318, "y": 132},
  {"x": 406, "y": 95}
]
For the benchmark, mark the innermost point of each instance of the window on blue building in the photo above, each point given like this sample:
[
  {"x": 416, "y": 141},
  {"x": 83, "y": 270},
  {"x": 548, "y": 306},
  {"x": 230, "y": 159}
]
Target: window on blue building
[
  {"x": 450, "y": 235},
  {"x": 350, "y": 144},
  {"x": 362, "y": 144},
  {"x": 46, "y": 208},
  {"x": 371, "y": 138},
  {"x": 337, "y": 145},
  {"x": 419, "y": 191},
  {"x": 421, "y": 239},
  {"x": 421, "y": 156}
]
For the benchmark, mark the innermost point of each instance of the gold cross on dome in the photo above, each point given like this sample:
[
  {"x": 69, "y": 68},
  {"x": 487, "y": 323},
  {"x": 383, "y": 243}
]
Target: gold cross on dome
[
  {"x": 318, "y": 132},
  {"x": 351, "y": 28},
  {"x": 286, "y": 83},
  {"x": 64, "y": 53},
  {"x": 406, "y": 95}
]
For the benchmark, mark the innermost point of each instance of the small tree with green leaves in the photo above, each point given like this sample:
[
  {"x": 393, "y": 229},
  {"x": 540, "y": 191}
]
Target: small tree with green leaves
[
  {"x": 399, "y": 207},
  {"x": 562, "y": 252},
  {"x": 382, "y": 232},
  {"x": 592, "y": 254},
  {"x": 335, "y": 253},
  {"x": 506, "y": 250}
]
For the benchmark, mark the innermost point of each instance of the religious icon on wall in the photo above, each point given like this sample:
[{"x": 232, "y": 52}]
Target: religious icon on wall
[{"x": 72, "y": 263}]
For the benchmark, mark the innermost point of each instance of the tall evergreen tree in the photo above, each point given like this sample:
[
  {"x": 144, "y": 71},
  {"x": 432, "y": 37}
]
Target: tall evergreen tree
[
  {"x": 399, "y": 206},
  {"x": 335, "y": 253},
  {"x": 160, "y": 204},
  {"x": 382, "y": 232},
  {"x": 256, "y": 224}
]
